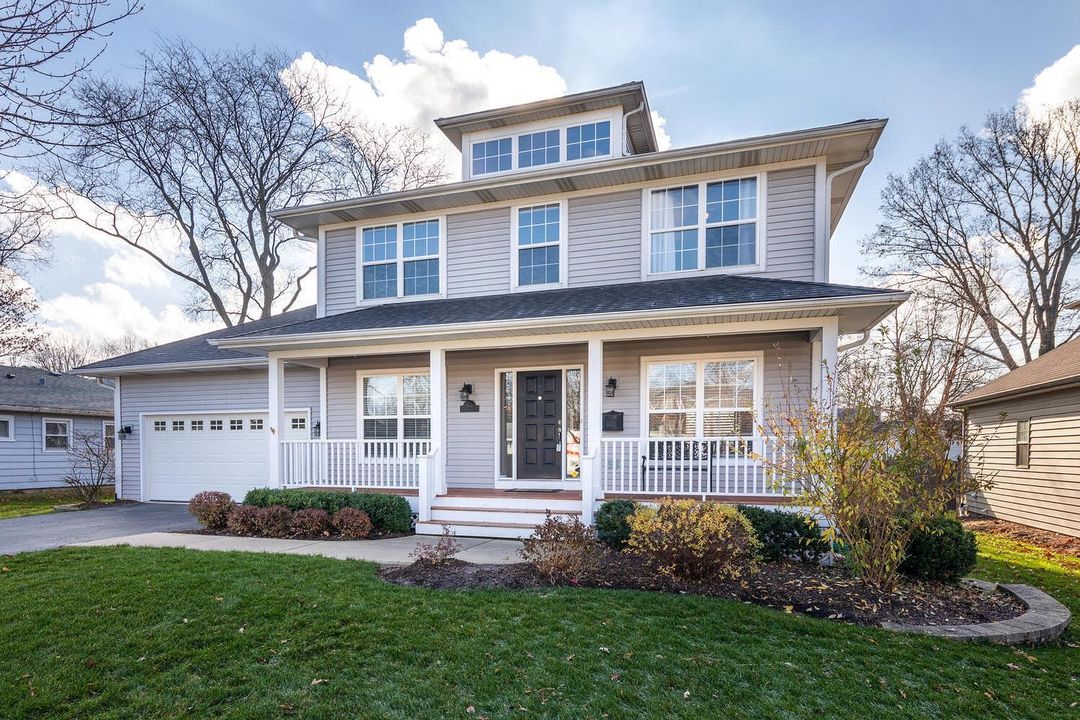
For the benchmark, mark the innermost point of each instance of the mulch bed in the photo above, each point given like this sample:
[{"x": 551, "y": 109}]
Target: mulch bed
[
  {"x": 1052, "y": 541},
  {"x": 329, "y": 538},
  {"x": 793, "y": 587}
]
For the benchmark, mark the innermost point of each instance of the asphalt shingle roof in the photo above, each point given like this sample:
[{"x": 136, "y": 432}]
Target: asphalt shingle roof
[
  {"x": 1059, "y": 366},
  {"x": 22, "y": 390}
]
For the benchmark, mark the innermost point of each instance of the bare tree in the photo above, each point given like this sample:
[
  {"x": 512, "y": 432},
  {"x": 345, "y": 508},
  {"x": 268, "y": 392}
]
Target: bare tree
[
  {"x": 991, "y": 222},
  {"x": 62, "y": 353},
  {"x": 92, "y": 468},
  {"x": 188, "y": 166},
  {"x": 45, "y": 45}
]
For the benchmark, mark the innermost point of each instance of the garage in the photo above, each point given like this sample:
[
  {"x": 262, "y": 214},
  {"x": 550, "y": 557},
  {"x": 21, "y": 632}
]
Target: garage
[{"x": 187, "y": 453}]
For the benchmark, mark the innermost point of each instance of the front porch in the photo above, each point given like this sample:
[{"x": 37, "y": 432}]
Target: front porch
[{"x": 490, "y": 438}]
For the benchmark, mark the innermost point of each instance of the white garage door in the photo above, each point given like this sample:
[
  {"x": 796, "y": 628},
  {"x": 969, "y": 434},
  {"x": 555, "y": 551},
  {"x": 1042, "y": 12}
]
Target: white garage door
[{"x": 186, "y": 454}]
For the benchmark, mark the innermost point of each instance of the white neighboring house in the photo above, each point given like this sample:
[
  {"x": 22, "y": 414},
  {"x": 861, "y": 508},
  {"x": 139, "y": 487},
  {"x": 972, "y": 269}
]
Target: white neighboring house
[
  {"x": 581, "y": 317},
  {"x": 40, "y": 413}
]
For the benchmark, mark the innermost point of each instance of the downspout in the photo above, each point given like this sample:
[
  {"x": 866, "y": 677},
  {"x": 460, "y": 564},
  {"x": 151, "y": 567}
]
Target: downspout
[
  {"x": 828, "y": 201},
  {"x": 626, "y": 132},
  {"x": 864, "y": 336}
]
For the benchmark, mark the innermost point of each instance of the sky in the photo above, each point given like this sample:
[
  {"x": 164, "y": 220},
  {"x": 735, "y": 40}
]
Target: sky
[{"x": 713, "y": 71}]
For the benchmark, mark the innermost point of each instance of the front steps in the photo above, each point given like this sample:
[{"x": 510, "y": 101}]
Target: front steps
[{"x": 497, "y": 514}]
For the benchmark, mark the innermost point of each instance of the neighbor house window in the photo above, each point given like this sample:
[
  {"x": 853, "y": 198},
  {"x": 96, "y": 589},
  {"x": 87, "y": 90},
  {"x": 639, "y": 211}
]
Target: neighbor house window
[
  {"x": 705, "y": 225},
  {"x": 401, "y": 260},
  {"x": 492, "y": 156},
  {"x": 589, "y": 140},
  {"x": 538, "y": 239},
  {"x": 108, "y": 435},
  {"x": 538, "y": 148},
  {"x": 57, "y": 434},
  {"x": 1023, "y": 442},
  {"x": 701, "y": 397},
  {"x": 7, "y": 427},
  {"x": 396, "y": 407}
]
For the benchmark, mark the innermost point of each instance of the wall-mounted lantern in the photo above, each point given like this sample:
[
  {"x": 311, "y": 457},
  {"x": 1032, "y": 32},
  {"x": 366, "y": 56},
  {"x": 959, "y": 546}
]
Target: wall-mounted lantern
[
  {"x": 465, "y": 392},
  {"x": 124, "y": 432},
  {"x": 609, "y": 389}
]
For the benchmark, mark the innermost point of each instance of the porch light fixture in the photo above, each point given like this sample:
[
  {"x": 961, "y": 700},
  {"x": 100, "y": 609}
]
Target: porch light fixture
[
  {"x": 124, "y": 432},
  {"x": 609, "y": 389},
  {"x": 465, "y": 392}
]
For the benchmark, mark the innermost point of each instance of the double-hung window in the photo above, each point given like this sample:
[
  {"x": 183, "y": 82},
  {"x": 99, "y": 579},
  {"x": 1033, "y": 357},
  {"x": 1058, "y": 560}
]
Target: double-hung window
[
  {"x": 7, "y": 427},
  {"x": 702, "y": 397},
  {"x": 588, "y": 140},
  {"x": 539, "y": 253},
  {"x": 401, "y": 260},
  {"x": 1023, "y": 442},
  {"x": 56, "y": 434},
  {"x": 396, "y": 407},
  {"x": 708, "y": 225},
  {"x": 108, "y": 434}
]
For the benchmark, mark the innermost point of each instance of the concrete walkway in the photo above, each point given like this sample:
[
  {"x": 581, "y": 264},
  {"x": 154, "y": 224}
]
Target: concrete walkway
[{"x": 391, "y": 551}]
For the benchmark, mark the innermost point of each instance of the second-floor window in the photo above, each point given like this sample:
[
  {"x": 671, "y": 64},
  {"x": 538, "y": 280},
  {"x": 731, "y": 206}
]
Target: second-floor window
[
  {"x": 400, "y": 260},
  {"x": 539, "y": 252},
  {"x": 492, "y": 156},
  {"x": 703, "y": 226},
  {"x": 588, "y": 140},
  {"x": 539, "y": 148}
]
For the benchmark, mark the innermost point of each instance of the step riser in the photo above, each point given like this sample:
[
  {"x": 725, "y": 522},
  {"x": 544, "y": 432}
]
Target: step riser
[
  {"x": 461, "y": 530},
  {"x": 507, "y": 516},
  {"x": 508, "y": 502}
]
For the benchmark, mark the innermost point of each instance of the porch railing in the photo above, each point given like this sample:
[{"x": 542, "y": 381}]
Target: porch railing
[
  {"x": 699, "y": 466},
  {"x": 386, "y": 464}
]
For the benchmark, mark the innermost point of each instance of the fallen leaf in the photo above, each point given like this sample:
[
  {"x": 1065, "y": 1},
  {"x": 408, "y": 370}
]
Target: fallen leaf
[
  {"x": 470, "y": 709},
  {"x": 686, "y": 695},
  {"x": 319, "y": 681}
]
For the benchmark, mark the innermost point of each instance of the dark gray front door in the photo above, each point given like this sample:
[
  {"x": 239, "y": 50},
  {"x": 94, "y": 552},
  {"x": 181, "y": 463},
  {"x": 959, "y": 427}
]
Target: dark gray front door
[{"x": 539, "y": 425}]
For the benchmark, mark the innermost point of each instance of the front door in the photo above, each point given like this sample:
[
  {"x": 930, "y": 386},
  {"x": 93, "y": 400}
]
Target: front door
[{"x": 539, "y": 425}]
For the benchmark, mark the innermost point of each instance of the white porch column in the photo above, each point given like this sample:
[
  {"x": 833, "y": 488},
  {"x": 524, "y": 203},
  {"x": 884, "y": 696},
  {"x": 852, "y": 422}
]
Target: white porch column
[
  {"x": 276, "y": 419},
  {"x": 592, "y": 483},
  {"x": 830, "y": 338},
  {"x": 438, "y": 417}
]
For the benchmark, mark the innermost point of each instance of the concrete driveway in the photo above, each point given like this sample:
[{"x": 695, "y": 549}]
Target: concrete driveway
[{"x": 41, "y": 532}]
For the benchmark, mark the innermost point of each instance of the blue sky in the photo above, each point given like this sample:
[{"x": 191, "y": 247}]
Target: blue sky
[{"x": 712, "y": 72}]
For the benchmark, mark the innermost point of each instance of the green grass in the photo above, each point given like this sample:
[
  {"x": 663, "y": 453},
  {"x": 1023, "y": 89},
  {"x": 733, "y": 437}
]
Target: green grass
[
  {"x": 16, "y": 503},
  {"x": 140, "y": 633}
]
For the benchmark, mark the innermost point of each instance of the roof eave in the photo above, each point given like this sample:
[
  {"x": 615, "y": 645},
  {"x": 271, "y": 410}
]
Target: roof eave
[
  {"x": 1016, "y": 393},
  {"x": 55, "y": 410},
  {"x": 177, "y": 366}
]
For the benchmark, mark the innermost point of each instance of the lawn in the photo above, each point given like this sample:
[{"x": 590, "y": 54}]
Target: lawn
[
  {"x": 16, "y": 503},
  {"x": 134, "y": 633}
]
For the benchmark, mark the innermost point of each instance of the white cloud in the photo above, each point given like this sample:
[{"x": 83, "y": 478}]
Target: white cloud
[
  {"x": 438, "y": 77},
  {"x": 109, "y": 311},
  {"x": 1054, "y": 85}
]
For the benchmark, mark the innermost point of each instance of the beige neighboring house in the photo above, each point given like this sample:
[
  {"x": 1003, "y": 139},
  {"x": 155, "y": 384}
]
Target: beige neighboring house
[{"x": 1024, "y": 434}]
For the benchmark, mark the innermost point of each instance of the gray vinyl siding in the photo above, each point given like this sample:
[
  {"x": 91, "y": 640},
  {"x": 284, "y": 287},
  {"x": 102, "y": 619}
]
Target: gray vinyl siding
[
  {"x": 341, "y": 270},
  {"x": 25, "y": 465},
  {"x": 604, "y": 237},
  {"x": 341, "y": 397},
  {"x": 478, "y": 253},
  {"x": 1045, "y": 494},
  {"x": 202, "y": 392},
  {"x": 790, "y": 223}
]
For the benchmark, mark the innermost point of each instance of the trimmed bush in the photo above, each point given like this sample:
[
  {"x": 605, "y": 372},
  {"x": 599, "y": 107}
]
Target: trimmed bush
[
  {"x": 274, "y": 521},
  {"x": 243, "y": 520},
  {"x": 694, "y": 541},
  {"x": 211, "y": 509},
  {"x": 943, "y": 550},
  {"x": 352, "y": 524},
  {"x": 561, "y": 549},
  {"x": 310, "y": 521},
  {"x": 786, "y": 534},
  {"x": 388, "y": 513},
  {"x": 439, "y": 553},
  {"x": 612, "y": 527}
]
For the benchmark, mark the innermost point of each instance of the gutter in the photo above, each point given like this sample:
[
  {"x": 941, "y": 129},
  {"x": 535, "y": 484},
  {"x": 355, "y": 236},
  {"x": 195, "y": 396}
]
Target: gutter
[
  {"x": 41, "y": 409},
  {"x": 892, "y": 298},
  {"x": 1017, "y": 393}
]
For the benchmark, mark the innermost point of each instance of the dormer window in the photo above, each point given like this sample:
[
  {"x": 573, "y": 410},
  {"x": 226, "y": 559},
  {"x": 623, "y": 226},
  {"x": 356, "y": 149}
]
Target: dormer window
[
  {"x": 589, "y": 140},
  {"x": 538, "y": 148},
  {"x": 492, "y": 156},
  {"x": 401, "y": 260}
]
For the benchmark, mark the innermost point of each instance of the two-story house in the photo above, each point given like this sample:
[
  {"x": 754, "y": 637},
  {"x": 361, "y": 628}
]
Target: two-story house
[{"x": 581, "y": 316}]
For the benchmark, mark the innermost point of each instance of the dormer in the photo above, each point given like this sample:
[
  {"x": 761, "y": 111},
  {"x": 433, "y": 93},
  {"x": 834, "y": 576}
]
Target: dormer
[{"x": 570, "y": 130}]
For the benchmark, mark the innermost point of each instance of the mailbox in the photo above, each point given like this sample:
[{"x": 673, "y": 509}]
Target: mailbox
[{"x": 613, "y": 421}]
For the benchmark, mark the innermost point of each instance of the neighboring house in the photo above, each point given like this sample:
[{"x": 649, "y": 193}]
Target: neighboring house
[
  {"x": 1023, "y": 435},
  {"x": 40, "y": 413},
  {"x": 581, "y": 314}
]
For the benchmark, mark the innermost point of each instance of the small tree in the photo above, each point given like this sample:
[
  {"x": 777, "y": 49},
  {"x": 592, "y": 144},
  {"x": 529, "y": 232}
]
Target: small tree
[
  {"x": 92, "y": 466},
  {"x": 875, "y": 481}
]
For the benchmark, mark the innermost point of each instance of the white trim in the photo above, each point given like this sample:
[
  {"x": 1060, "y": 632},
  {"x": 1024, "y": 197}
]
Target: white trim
[
  {"x": 11, "y": 428},
  {"x": 563, "y": 246},
  {"x": 513, "y": 482},
  {"x": 399, "y": 260},
  {"x": 118, "y": 451},
  {"x": 320, "y": 275},
  {"x": 324, "y": 427},
  {"x": 70, "y": 429},
  {"x": 821, "y": 230},
  {"x": 275, "y": 422},
  {"x": 757, "y": 356},
  {"x": 397, "y": 374}
]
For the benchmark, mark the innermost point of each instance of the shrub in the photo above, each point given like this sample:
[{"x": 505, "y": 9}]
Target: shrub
[
  {"x": 352, "y": 524},
  {"x": 274, "y": 521},
  {"x": 243, "y": 520},
  {"x": 438, "y": 553},
  {"x": 693, "y": 541},
  {"x": 943, "y": 550},
  {"x": 786, "y": 534},
  {"x": 310, "y": 521},
  {"x": 388, "y": 513},
  {"x": 211, "y": 509},
  {"x": 612, "y": 528},
  {"x": 561, "y": 549}
]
